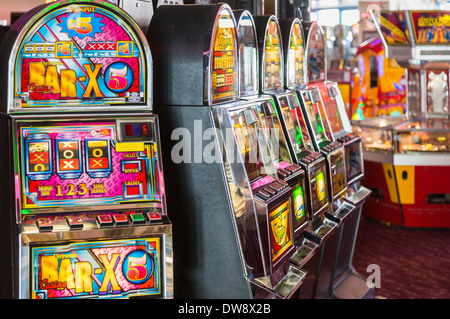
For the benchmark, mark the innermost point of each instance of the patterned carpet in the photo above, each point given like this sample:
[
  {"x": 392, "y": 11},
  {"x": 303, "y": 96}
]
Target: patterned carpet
[{"x": 414, "y": 263}]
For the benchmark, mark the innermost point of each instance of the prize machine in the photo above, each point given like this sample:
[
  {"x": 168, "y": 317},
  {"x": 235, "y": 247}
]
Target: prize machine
[
  {"x": 83, "y": 188},
  {"x": 234, "y": 234},
  {"x": 287, "y": 169},
  {"x": 418, "y": 41},
  {"x": 337, "y": 277}
]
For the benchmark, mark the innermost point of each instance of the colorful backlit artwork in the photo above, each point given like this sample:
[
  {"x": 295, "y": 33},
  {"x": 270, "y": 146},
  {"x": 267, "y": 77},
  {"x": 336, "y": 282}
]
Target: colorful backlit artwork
[
  {"x": 431, "y": 27},
  {"x": 223, "y": 74}
]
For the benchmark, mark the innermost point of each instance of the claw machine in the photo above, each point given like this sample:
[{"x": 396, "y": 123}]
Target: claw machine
[
  {"x": 344, "y": 163},
  {"x": 83, "y": 191},
  {"x": 232, "y": 213},
  {"x": 287, "y": 167},
  {"x": 417, "y": 40}
]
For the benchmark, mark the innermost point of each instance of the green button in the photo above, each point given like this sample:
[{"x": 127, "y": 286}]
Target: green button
[{"x": 137, "y": 218}]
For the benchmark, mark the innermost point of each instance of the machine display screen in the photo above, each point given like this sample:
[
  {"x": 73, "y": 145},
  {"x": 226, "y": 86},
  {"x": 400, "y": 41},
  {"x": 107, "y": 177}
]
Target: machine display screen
[
  {"x": 331, "y": 109},
  {"x": 223, "y": 74},
  {"x": 295, "y": 69},
  {"x": 85, "y": 164},
  {"x": 272, "y": 67},
  {"x": 80, "y": 55},
  {"x": 393, "y": 27},
  {"x": 431, "y": 27},
  {"x": 311, "y": 99},
  {"x": 105, "y": 269},
  {"x": 249, "y": 55},
  {"x": 315, "y": 54},
  {"x": 247, "y": 140},
  {"x": 281, "y": 234},
  {"x": 302, "y": 129}
]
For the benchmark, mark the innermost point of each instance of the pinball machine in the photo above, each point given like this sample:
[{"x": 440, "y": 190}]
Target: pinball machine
[
  {"x": 412, "y": 150},
  {"x": 84, "y": 187},
  {"x": 232, "y": 214}
]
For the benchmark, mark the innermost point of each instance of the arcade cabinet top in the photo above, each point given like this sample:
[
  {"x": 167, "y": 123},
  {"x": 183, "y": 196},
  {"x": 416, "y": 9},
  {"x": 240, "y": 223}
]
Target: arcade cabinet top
[{"x": 79, "y": 56}]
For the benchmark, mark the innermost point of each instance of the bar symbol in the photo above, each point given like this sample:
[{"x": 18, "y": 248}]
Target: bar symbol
[{"x": 98, "y": 158}]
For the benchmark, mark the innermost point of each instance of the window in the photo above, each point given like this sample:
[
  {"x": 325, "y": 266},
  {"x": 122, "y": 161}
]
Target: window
[
  {"x": 328, "y": 17},
  {"x": 349, "y": 17}
]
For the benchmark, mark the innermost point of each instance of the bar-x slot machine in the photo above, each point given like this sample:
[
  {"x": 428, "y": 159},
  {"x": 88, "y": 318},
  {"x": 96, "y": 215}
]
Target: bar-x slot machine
[
  {"x": 233, "y": 216},
  {"x": 287, "y": 169},
  {"x": 83, "y": 165}
]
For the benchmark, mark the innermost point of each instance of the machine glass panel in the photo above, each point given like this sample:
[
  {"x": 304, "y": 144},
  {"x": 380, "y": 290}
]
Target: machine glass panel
[
  {"x": 315, "y": 54},
  {"x": 66, "y": 60},
  {"x": 331, "y": 109},
  {"x": 248, "y": 52},
  {"x": 224, "y": 80},
  {"x": 295, "y": 59},
  {"x": 377, "y": 134},
  {"x": 311, "y": 100},
  {"x": 71, "y": 164},
  {"x": 430, "y": 27},
  {"x": 393, "y": 27},
  {"x": 272, "y": 71}
]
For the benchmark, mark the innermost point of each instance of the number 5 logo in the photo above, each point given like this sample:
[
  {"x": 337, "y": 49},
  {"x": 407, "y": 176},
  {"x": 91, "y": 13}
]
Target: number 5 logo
[
  {"x": 138, "y": 267},
  {"x": 119, "y": 77}
]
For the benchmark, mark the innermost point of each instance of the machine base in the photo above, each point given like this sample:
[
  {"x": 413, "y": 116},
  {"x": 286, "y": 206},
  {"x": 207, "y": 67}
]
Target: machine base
[{"x": 352, "y": 286}]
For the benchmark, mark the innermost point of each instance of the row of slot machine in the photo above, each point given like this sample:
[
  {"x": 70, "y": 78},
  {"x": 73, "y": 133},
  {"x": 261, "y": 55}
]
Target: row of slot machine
[
  {"x": 264, "y": 168},
  {"x": 260, "y": 197}
]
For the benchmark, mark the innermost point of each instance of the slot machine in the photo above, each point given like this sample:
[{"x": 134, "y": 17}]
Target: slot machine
[
  {"x": 286, "y": 167},
  {"x": 338, "y": 278},
  {"x": 83, "y": 189},
  {"x": 234, "y": 235}
]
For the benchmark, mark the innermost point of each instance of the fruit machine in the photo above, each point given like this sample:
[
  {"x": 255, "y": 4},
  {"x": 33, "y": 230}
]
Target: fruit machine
[
  {"x": 287, "y": 168},
  {"x": 417, "y": 40},
  {"x": 235, "y": 234},
  {"x": 83, "y": 189}
]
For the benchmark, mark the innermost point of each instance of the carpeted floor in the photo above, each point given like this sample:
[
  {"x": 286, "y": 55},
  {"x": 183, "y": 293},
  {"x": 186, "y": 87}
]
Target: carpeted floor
[{"x": 414, "y": 263}]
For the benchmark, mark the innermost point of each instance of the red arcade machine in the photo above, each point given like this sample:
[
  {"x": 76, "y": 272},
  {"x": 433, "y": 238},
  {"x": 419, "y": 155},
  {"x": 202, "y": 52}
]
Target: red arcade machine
[{"x": 83, "y": 199}]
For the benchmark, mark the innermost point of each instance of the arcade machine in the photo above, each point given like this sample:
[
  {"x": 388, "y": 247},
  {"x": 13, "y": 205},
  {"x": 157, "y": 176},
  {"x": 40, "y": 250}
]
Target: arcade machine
[
  {"x": 83, "y": 203},
  {"x": 418, "y": 41},
  {"x": 324, "y": 110},
  {"x": 272, "y": 77},
  {"x": 233, "y": 213},
  {"x": 287, "y": 169}
]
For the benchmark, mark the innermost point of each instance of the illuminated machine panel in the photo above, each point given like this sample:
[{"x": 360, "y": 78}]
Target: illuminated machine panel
[
  {"x": 394, "y": 29},
  {"x": 80, "y": 56},
  {"x": 224, "y": 79},
  {"x": 115, "y": 268},
  {"x": 272, "y": 69},
  {"x": 295, "y": 60},
  {"x": 430, "y": 27},
  {"x": 103, "y": 163}
]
